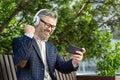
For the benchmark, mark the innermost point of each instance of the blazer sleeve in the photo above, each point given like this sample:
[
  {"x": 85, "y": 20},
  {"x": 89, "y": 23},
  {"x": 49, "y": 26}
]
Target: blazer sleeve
[
  {"x": 21, "y": 48},
  {"x": 64, "y": 66}
]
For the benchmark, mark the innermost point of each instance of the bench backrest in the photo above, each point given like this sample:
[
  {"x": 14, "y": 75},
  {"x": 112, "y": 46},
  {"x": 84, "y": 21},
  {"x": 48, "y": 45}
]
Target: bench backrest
[
  {"x": 7, "y": 70},
  {"x": 61, "y": 76}
]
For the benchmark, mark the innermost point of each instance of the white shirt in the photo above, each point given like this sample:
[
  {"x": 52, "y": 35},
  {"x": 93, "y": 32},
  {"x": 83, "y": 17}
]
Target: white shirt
[{"x": 42, "y": 47}]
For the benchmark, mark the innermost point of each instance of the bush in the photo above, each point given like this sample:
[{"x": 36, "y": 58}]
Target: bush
[{"x": 109, "y": 64}]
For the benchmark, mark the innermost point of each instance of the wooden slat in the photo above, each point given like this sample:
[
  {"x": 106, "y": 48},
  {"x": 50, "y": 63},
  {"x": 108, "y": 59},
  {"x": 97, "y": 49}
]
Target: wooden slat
[
  {"x": 61, "y": 76},
  {"x": 67, "y": 76},
  {"x": 70, "y": 76},
  {"x": 57, "y": 75},
  {"x": 8, "y": 67},
  {"x": 64, "y": 76},
  {"x": 8, "y": 70},
  {"x": 1, "y": 75},
  {"x": 73, "y": 76},
  {"x": 12, "y": 67},
  {"x": 3, "y": 66}
]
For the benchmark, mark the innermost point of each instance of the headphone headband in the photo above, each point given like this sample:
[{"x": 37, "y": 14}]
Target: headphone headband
[{"x": 36, "y": 18}]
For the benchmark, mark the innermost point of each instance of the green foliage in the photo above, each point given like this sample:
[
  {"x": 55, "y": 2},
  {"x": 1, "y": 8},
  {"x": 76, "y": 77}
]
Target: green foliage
[
  {"x": 109, "y": 63},
  {"x": 78, "y": 23},
  {"x": 7, "y": 36}
]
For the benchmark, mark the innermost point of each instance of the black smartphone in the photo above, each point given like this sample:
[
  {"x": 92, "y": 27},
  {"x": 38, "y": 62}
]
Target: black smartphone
[{"x": 72, "y": 49}]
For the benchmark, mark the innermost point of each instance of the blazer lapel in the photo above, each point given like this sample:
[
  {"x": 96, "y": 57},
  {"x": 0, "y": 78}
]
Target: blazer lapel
[
  {"x": 49, "y": 55},
  {"x": 47, "y": 52},
  {"x": 35, "y": 45}
]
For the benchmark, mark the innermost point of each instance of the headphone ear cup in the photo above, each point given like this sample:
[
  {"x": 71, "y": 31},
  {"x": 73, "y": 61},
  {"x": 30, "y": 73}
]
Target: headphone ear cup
[{"x": 36, "y": 20}]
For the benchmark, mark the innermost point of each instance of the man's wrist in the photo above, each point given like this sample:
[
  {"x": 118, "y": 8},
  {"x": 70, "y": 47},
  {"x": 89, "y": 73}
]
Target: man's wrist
[{"x": 75, "y": 65}]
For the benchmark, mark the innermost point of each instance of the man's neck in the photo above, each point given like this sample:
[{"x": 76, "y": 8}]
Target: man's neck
[{"x": 39, "y": 37}]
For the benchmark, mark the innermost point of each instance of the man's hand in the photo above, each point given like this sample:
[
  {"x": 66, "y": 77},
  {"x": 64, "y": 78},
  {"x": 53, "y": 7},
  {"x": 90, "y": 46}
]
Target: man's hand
[
  {"x": 76, "y": 58},
  {"x": 29, "y": 29}
]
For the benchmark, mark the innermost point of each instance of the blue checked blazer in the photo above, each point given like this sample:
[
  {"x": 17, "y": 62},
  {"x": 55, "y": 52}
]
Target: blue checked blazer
[{"x": 25, "y": 48}]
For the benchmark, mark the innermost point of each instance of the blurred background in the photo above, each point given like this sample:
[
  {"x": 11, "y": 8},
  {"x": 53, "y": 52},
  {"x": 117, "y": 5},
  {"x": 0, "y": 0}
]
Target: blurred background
[{"x": 92, "y": 24}]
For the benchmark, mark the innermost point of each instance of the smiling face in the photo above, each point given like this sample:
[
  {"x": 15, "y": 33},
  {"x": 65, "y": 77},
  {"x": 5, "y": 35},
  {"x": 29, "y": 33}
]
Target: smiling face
[{"x": 46, "y": 27}]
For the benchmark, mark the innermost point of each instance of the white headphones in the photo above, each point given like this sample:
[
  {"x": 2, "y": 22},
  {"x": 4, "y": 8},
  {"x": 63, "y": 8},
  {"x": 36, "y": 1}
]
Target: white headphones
[{"x": 36, "y": 18}]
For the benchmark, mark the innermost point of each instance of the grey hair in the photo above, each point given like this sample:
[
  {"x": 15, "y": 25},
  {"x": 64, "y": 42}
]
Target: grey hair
[{"x": 47, "y": 12}]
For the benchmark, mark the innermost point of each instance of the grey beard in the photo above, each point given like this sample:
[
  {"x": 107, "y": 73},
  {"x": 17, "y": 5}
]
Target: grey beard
[{"x": 44, "y": 37}]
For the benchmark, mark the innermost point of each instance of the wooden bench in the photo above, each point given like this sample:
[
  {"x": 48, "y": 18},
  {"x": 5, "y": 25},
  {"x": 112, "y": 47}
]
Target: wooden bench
[
  {"x": 61, "y": 76},
  {"x": 7, "y": 70}
]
